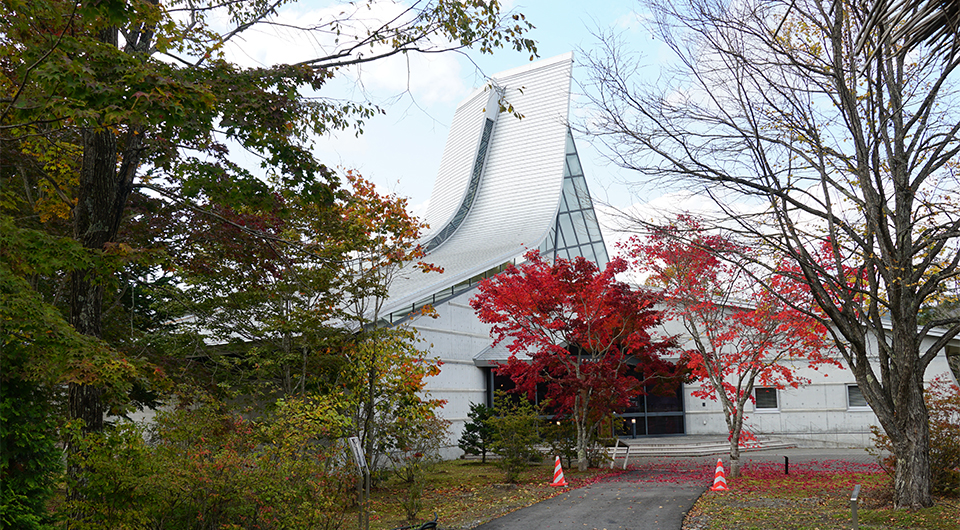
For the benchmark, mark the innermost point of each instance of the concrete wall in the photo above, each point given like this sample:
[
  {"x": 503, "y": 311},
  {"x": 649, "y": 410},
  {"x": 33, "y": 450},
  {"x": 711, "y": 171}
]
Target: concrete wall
[
  {"x": 455, "y": 337},
  {"x": 816, "y": 415}
]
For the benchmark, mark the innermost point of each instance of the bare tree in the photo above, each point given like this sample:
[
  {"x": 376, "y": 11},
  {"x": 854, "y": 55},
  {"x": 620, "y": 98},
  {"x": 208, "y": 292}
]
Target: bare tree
[
  {"x": 935, "y": 22},
  {"x": 839, "y": 157}
]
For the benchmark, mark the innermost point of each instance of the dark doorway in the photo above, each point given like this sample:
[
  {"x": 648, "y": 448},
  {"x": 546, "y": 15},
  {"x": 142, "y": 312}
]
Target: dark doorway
[{"x": 652, "y": 414}]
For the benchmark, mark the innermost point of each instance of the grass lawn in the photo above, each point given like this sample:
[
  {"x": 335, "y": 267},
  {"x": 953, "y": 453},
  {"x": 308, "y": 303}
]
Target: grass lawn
[
  {"x": 465, "y": 493},
  {"x": 815, "y": 498}
]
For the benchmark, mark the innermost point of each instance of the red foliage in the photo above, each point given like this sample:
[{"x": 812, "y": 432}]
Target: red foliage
[
  {"x": 814, "y": 476},
  {"x": 575, "y": 328},
  {"x": 740, "y": 330}
]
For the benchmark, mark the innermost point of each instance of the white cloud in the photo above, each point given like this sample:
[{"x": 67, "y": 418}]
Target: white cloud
[
  {"x": 632, "y": 21},
  {"x": 429, "y": 78},
  {"x": 433, "y": 78}
]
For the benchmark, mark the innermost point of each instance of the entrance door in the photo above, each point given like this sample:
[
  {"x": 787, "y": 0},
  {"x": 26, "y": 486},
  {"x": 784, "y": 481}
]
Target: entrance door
[{"x": 652, "y": 415}]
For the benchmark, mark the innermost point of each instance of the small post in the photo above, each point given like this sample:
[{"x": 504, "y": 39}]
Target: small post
[
  {"x": 363, "y": 487},
  {"x": 626, "y": 457},
  {"x": 786, "y": 465},
  {"x": 853, "y": 506},
  {"x": 613, "y": 458}
]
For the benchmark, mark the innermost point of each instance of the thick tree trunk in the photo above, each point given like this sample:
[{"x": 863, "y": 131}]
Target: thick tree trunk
[
  {"x": 94, "y": 222},
  {"x": 104, "y": 186},
  {"x": 912, "y": 480},
  {"x": 86, "y": 298},
  {"x": 101, "y": 198}
]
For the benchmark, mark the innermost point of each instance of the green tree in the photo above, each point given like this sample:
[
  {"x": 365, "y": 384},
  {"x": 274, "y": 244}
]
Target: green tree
[
  {"x": 477, "y": 433},
  {"x": 133, "y": 95},
  {"x": 515, "y": 428},
  {"x": 836, "y": 159},
  {"x": 39, "y": 351},
  {"x": 276, "y": 301}
]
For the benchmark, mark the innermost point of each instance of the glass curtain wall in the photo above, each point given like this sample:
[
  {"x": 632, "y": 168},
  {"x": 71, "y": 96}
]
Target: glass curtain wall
[{"x": 576, "y": 231}]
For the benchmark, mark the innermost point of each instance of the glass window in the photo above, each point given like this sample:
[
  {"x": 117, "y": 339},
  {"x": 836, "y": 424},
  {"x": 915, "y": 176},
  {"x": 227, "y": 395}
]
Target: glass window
[
  {"x": 636, "y": 404},
  {"x": 560, "y": 236},
  {"x": 574, "y": 164},
  {"x": 566, "y": 227},
  {"x": 665, "y": 425},
  {"x": 569, "y": 197},
  {"x": 587, "y": 252},
  {"x": 580, "y": 184},
  {"x": 855, "y": 398},
  {"x": 601, "y": 252},
  {"x": 580, "y": 224},
  {"x": 593, "y": 227},
  {"x": 547, "y": 245},
  {"x": 671, "y": 403},
  {"x": 766, "y": 398}
]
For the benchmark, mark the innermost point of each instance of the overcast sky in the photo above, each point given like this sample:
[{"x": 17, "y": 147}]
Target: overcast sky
[{"x": 401, "y": 150}]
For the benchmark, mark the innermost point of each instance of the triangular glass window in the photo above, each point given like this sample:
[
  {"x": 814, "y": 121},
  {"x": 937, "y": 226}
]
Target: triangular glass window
[{"x": 576, "y": 231}]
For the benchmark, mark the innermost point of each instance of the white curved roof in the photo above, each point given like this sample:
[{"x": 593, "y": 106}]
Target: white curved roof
[{"x": 519, "y": 194}]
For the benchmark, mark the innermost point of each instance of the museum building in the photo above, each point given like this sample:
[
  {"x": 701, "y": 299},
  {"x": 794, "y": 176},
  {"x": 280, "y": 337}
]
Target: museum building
[{"x": 510, "y": 181}]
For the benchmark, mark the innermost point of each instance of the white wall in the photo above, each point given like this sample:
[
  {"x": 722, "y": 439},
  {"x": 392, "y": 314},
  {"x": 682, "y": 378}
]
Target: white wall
[
  {"x": 815, "y": 415},
  {"x": 455, "y": 337}
]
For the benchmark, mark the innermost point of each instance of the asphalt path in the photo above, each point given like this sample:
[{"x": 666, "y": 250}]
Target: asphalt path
[
  {"x": 631, "y": 501},
  {"x": 655, "y": 494}
]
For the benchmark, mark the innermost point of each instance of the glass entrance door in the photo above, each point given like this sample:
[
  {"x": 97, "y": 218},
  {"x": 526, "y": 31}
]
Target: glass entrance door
[{"x": 652, "y": 415}]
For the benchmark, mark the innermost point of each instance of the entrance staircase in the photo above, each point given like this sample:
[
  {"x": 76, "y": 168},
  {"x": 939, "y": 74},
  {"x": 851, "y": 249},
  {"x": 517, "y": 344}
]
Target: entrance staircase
[{"x": 688, "y": 446}]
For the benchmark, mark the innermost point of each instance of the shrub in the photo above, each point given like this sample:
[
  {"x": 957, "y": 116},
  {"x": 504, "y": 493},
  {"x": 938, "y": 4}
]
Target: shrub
[
  {"x": 418, "y": 440},
  {"x": 29, "y": 458},
  {"x": 943, "y": 406},
  {"x": 206, "y": 467},
  {"x": 561, "y": 436},
  {"x": 116, "y": 484},
  {"x": 477, "y": 433},
  {"x": 515, "y": 427}
]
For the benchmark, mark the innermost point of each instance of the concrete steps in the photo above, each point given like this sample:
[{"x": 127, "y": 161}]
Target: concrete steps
[{"x": 683, "y": 446}]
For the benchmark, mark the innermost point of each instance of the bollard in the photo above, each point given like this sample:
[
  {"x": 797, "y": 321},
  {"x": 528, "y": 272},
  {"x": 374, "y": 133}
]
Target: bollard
[
  {"x": 786, "y": 465},
  {"x": 853, "y": 506}
]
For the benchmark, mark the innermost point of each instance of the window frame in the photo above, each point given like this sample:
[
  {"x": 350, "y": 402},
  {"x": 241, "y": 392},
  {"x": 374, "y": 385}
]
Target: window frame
[
  {"x": 756, "y": 400},
  {"x": 850, "y": 405}
]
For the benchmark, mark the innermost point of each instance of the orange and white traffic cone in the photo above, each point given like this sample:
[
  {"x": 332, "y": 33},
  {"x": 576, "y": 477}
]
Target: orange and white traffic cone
[
  {"x": 719, "y": 480},
  {"x": 558, "y": 479}
]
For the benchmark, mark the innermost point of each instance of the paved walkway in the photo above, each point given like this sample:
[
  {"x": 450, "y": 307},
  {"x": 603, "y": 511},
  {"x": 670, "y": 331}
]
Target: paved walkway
[{"x": 655, "y": 494}]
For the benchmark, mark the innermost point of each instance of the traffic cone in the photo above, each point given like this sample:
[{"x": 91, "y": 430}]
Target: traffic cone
[
  {"x": 558, "y": 479},
  {"x": 719, "y": 480}
]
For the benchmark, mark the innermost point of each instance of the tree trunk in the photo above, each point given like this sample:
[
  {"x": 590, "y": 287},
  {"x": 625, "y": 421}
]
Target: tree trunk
[
  {"x": 912, "y": 479},
  {"x": 101, "y": 198},
  {"x": 735, "y": 452},
  {"x": 582, "y": 461},
  {"x": 953, "y": 360},
  {"x": 93, "y": 221}
]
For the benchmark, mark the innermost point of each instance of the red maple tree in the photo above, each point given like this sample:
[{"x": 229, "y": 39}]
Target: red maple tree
[
  {"x": 741, "y": 333},
  {"x": 576, "y": 329}
]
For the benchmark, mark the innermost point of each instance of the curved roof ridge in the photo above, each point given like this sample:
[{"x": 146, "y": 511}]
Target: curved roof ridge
[{"x": 516, "y": 203}]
